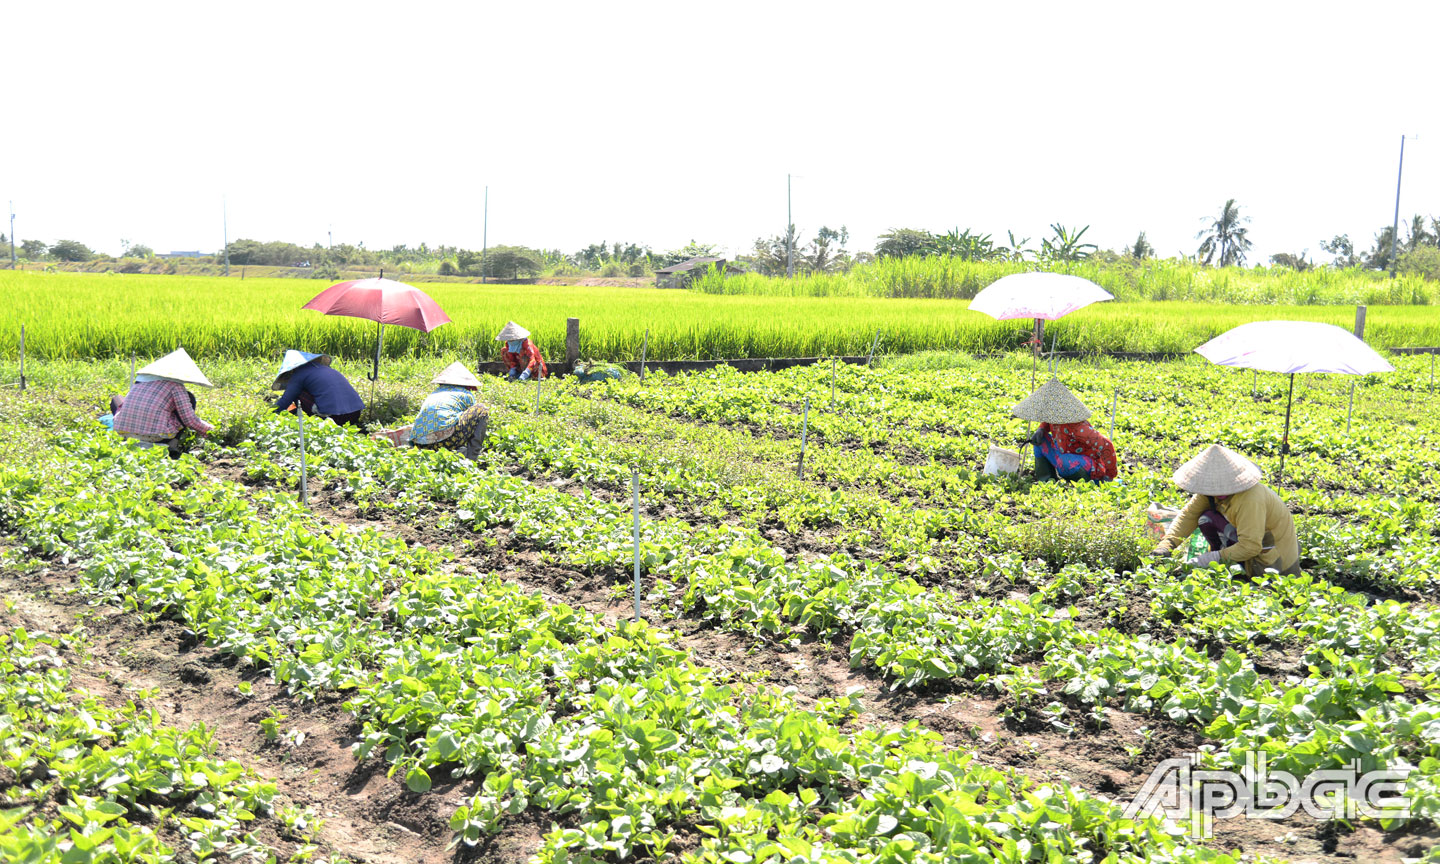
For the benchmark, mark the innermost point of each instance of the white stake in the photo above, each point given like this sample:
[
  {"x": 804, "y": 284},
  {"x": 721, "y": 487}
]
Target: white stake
[
  {"x": 644, "y": 349},
  {"x": 635, "y": 501},
  {"x": 804, "y": 429},
  {"x": 300, "y": 420},
  {"x": 22, "y": 358}
]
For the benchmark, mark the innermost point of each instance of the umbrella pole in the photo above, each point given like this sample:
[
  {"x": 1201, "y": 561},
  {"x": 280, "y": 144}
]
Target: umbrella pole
[
  {"x": 1285, "y": 439},
  {"x": 375, "y": 367}
]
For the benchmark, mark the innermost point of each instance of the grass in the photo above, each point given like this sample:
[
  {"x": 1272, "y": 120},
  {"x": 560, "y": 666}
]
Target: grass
[
  {"x": 71, "y": 316},
  {"x": 1167, "y": 279}
]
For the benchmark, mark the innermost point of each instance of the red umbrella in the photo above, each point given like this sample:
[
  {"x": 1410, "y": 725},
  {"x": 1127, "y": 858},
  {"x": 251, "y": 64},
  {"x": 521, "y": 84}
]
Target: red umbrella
[{"x": 383, "y": 301}]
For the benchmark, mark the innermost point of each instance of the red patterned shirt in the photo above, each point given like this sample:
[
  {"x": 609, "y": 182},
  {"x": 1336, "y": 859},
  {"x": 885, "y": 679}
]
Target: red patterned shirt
[
  {"x": 1081, "y": 439},
  {"x": 529, "y": 359},
  {"x": 157, "y": 408}
]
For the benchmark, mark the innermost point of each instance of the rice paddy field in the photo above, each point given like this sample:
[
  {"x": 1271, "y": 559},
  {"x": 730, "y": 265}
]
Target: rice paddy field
[
  {"x": 85, "y": 316},
  {"x": 887, "y": 657}
]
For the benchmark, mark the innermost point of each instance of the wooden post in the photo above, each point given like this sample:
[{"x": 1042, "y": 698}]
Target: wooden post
[
  {"x": 804, "y": 429},
  {"x": 1359, "y": 334},
  {"x": 572, "y": 342},
  {"x": 635, "y": 503},
  {"x": 22, "y": 358},
  {"x": 644, "y": 349}
]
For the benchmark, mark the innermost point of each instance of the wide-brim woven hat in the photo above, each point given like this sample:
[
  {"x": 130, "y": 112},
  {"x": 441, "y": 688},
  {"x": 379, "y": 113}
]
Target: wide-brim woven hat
[
  {"x": 511, "y": 330},
  {"x": 1052, "y": 403},
  {"x": 176, "y": 366},
  {"x": 293, "y": 360},
  {"x": 1217, "y": 471},
  {"x": 457, "y": 375}
]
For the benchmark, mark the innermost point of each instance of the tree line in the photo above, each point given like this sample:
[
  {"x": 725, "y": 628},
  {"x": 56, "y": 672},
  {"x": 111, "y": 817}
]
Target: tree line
[{"x": 1224, "y": 241}]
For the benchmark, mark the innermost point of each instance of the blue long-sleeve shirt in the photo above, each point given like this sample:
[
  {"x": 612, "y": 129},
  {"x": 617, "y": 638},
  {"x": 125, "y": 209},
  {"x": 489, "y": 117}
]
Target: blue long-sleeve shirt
[{"x": 331, "y": 392}]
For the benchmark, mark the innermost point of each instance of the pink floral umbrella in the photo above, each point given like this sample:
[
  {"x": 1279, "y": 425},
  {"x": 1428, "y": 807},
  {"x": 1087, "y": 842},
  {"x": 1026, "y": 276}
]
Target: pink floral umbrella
[{"x": 1041, "y": 296}]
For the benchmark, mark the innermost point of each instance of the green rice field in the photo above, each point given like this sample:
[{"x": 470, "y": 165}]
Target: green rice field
[{"x": 87, "y": 316}]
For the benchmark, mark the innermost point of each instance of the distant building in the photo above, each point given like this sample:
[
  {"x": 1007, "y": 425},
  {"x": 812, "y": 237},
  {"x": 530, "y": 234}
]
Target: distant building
[
  {"x": 679, "y": 275},
  {"x": 177, "y": 255}
]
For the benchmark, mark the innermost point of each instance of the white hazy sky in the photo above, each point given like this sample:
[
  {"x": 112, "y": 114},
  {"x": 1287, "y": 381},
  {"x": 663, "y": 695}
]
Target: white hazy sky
[{"x": 662, "y": 122}]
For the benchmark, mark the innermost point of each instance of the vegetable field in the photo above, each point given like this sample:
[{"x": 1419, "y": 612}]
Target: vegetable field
[
  {"x": 77, "y": 316},
  {"x": 889, "y": 658}
]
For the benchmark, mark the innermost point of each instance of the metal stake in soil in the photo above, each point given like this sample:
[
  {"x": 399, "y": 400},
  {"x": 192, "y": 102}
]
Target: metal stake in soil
[
  {"x": 131, "y": 385},
  {"x": 873, "y": 346},
  {"x": 1350, "y": 412},
  {"x": 304, "y": 486},
  {"x": 644, "y": 348},
  {"x": 1113, "y": 403},
  {"x": 22, "y": 358},
  {"x": 804, "y": 431},
  {"x": 832, "y": 382},
  {"x": 537, "y": 395},
  {"x": 635, "y": 502}
]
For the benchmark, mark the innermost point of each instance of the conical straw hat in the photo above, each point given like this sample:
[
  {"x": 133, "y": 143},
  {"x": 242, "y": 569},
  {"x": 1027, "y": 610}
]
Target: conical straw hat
[
  {"x": 294, "y": 360},
  {"x": 511, "y": 330},
  {"x": 1217, "y": 471},
  {"x": 176, "y": 366},
  {"x": 1052, "y": 403},
  {"x": 456, "y": 374}
]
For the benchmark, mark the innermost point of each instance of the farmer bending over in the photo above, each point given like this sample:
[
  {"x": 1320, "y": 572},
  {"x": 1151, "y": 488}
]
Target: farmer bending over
[
  {"x": 308, "y": 380},
  {"x": 1066, "y": 445},
  {"x": 158, "y": 407},
  {"x": 1244, "y": 521},
  {"x": 450, "y": 418},
  {"x": 521, "y": 356}
]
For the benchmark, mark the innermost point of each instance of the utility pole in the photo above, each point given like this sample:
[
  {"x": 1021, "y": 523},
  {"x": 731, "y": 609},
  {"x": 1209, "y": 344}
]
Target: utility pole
[
  {"x": 12, "y": 235},
  {"x": 225, "y": 226},
  {"x": 789, "y": 232},
  {"x": 485, "y": 236},
  {"x": 1395, "y": 228}
]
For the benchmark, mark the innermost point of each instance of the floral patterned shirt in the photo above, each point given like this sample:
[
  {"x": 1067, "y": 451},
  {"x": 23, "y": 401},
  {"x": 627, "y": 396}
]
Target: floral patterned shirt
[
  {"x": 438, "y": 413},
  {"x": 1081, "y": 439}
]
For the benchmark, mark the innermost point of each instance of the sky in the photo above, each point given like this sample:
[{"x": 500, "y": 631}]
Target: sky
[{"x": 661, "y": 123}]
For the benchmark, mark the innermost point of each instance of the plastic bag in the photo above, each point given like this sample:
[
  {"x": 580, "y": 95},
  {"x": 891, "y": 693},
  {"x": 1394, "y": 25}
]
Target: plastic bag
[{"x": 1158, "y": 519}]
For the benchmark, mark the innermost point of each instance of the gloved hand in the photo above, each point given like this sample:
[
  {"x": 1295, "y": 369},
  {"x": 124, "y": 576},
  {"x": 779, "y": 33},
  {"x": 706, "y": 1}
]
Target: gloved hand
[
  {"x": 525, "y": 376},
  {"x": 1206, "y": 559},
  {"x": 512, "y": 374}
]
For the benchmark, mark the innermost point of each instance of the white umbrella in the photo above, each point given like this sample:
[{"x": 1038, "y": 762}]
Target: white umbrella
[
  {"x": 1041, "y": 296},
  {"x": 1048, "y": 296},
  {"x": 1289, "y": 347}
]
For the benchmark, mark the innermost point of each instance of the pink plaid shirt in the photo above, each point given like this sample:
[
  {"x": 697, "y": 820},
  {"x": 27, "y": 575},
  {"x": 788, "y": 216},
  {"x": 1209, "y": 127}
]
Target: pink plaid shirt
[{"x": 157, "y": 408}]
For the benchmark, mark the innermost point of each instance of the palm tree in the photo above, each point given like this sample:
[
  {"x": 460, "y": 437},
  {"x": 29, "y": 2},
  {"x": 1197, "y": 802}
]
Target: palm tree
[{"x": 1226, "y": 237}]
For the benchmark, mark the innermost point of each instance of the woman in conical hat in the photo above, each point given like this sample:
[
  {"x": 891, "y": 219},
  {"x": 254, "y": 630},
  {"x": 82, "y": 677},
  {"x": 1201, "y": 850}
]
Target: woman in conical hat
[
  {"x": 158, "y": 407},
  {"x": 1244, "y": 521},
  {"x": 520, "y": 355},
  {"x": 1066, "y": 445},
  {"x": 450, "y": 417},
  {"x": 308, "y": 381}
]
